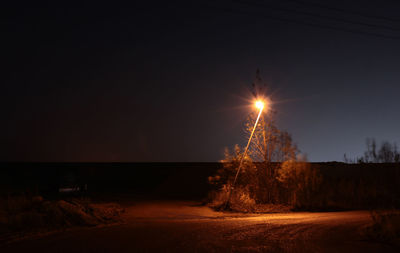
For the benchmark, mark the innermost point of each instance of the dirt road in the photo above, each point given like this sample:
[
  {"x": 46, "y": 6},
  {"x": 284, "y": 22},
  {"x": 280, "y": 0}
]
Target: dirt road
[{"x": 189, "y": 227}]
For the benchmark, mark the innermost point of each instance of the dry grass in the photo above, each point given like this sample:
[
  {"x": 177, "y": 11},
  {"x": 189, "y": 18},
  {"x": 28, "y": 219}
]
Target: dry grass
[
  {"x": 241, "y": 201},
  {"x": 30, "y": 214},
  {"x": 385, "y": 226}
]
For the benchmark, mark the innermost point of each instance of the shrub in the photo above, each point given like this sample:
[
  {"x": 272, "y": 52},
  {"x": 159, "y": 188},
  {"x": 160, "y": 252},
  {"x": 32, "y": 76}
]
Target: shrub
[
  {"x": 22, "y": 213},
  {"x": 302, "y": 183},
  {"x": 240, "y": 200},
  {"x": 385, "y": 226}
]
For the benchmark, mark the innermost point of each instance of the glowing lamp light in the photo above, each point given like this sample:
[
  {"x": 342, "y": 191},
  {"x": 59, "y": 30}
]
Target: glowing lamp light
[{"x": 260, "y": 104}]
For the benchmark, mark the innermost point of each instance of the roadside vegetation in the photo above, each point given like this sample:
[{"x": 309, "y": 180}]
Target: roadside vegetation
[
  {"x": 24, "y": 213},
  {"x": 275, "y": 174},
  {"x": 381, "y": 190},
  {"x": 268, "y": 186},
  {"x": 385, "y": 226}
]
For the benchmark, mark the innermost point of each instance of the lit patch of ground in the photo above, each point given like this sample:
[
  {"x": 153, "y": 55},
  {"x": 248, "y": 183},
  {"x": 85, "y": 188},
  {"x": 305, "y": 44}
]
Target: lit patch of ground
[{"x": 190, "y": 227}]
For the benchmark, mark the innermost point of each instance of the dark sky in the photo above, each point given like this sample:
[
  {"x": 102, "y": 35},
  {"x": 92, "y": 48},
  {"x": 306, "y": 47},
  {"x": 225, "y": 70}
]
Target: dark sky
[{"x": 170, "y": 81}]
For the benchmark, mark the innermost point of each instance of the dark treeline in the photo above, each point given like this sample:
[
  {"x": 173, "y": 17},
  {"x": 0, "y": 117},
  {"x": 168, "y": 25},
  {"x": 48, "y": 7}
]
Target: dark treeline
[
  {"x": 329, "y": 186},
  {"x": 309, "y": 186},
  {"x": 386, "y": 153},
  {"x": 148, "y": 180},
  {"x": 358, "y": 186}
]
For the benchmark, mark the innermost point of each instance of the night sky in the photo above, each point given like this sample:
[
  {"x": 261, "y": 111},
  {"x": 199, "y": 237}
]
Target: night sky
[{"x": 170, "y": 82}]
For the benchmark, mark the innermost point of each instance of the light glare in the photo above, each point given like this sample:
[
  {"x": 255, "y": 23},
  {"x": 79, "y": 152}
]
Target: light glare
[{"x": 259, "y": 104}]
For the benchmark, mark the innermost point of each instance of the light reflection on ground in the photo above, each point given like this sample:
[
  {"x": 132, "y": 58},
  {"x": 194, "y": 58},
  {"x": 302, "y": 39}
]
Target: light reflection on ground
[{"x": 190, "y": 227}]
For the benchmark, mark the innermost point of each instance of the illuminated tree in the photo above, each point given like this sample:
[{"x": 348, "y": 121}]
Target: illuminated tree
[
  {"x": 241, "y": 198},
  {"x": 269, "y": 149},
  {"x": 301, "y": 181},
  {"x": 269, "y": 143}
]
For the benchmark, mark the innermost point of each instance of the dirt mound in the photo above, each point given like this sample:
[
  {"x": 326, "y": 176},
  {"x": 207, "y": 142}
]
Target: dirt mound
[{"x": 36, "y": 214}]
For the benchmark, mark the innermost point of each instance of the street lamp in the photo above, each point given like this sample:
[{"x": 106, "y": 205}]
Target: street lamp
[{"x": 260, "y": 105}]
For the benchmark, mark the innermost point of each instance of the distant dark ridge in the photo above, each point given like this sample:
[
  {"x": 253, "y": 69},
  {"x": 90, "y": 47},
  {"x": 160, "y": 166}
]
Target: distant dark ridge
[
  {"x": 181, "y": 180},
  {"x": 174, "y": 180}
]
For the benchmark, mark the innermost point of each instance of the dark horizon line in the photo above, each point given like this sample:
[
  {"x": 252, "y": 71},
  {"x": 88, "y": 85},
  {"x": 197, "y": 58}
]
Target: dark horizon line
[{"x": 91, "y": 162}]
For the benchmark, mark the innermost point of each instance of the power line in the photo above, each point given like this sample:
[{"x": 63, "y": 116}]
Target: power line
[
  {"x": 298, "y": 22},
  {"x": 361, "y": 14},
  {"x": 258, "y": 4}
]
